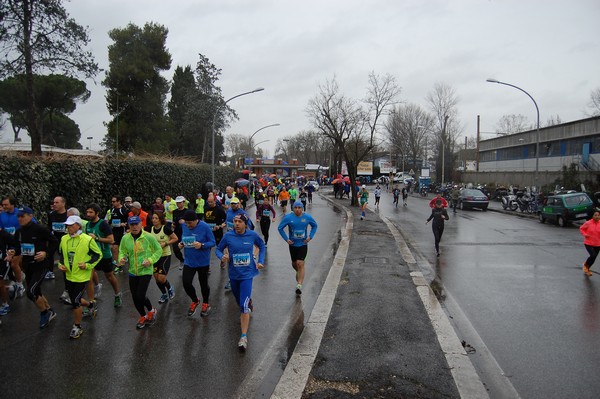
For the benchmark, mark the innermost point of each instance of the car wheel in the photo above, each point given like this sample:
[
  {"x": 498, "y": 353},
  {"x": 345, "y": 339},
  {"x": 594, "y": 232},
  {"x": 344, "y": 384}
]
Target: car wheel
[
  {"x": 561, "y": 221},
  {"x": 541, "y": 217},
  {"x": 484, "y": 208}
]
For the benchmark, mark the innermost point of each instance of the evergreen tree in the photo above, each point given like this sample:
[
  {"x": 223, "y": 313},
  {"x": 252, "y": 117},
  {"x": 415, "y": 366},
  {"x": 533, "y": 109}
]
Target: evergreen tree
[
  {"x": 136, "y": 92},
  {"x": 39, "y": 36}
]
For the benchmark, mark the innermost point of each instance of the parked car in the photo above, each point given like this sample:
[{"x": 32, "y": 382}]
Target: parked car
[
  {"x": 472, "y": 198},
  {"x": 564, "y": 208},
  {"x": 313, "y": 183}
]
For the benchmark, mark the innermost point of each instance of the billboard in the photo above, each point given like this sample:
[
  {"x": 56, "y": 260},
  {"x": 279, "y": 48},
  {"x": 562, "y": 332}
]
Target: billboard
[
  {"x": 364, "y": 168},
  {"x": 385, "y": 167}
]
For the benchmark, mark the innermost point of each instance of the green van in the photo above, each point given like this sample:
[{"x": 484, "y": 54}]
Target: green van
[{"x": 565, "y": 208}]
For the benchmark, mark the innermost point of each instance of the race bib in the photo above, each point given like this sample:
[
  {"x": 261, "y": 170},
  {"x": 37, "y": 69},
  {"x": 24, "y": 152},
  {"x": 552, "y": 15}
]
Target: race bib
[
  {"x": 266, "y": 213},
  {"x": 10, "y": 230},
  {"x": 241, "y": 260},
  {"x": 212, "y": 225},
  {"x": 188, "y": 241},
  {"x": 71, "y": 257},
  {"x": 298, "y": 234},
  {"x": 115, "y": 222},
  {"x": 27, "y": 249},
  {"x": 58, "y": 227},
  {"x": 229, "y": 226}
]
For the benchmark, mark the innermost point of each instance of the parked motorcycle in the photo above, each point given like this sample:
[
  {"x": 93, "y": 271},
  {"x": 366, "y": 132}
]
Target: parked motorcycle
[
  {"x": 509, "y": 201},
  {"x": 524, "y": 201}
]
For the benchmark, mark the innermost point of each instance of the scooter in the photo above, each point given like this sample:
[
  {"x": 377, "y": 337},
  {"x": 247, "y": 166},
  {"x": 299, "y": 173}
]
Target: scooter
[{"x": 509, "y": 201}]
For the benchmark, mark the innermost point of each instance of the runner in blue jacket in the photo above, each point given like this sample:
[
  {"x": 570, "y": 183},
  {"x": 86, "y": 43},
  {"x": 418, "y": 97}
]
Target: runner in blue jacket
[
  {"x": 240, "y": 245},
  {"x": 298, "y": 238}
]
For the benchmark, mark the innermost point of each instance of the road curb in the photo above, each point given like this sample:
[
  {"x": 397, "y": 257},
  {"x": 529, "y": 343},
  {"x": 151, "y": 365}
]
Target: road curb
[
  {"x": 465, "y": 377},
  {"x": 296, "y": 373}
]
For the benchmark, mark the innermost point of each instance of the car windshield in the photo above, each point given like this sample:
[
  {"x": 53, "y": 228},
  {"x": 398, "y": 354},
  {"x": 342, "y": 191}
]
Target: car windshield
[{"x": 577, "y": 200}]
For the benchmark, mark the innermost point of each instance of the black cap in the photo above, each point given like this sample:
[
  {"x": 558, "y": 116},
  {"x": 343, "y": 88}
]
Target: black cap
[{"x": 190, "y": 216}]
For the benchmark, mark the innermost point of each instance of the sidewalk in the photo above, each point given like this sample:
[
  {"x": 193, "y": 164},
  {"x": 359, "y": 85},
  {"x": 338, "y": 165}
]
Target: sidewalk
[{"x": 382, "y": 337}]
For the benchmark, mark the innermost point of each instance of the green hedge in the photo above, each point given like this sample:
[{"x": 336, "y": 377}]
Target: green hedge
[{"x": 36, "y": 181}]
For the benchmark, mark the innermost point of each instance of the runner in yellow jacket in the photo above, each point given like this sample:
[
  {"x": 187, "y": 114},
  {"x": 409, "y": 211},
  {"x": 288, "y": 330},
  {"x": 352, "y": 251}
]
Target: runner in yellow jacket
[
  {"x": 79, "y": 254},
  {"x": 142, "y": 250}
]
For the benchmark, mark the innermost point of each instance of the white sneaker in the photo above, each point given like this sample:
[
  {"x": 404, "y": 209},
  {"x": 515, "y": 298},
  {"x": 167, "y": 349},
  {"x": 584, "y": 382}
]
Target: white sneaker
[
  {"x": 97, "y": 290},
  {"x": 243, "y": 344}
]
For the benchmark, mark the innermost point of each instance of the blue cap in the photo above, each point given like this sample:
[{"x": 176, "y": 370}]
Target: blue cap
[
  {"x": 24, "y": 210},
  {"x": 134, "y": 220},
  {"x": 298, "y": 204}
]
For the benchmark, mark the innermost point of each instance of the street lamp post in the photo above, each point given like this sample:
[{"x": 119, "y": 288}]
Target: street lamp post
[
  {"x": 214, "y": 129},
  {"x": 537, "y": 140},
  {"x": 253, "y": 134}
]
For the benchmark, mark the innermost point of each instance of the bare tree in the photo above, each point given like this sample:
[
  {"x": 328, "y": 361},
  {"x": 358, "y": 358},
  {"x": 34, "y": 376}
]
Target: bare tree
[
  {"x": 351, "y": 125},
  {"x": 408, "y": 129},
  {"x": 594, "y": 104},
  {"x": 443, "y": 102},
  {"x": 553, "y": 120},
  {"x": 511, "y": 124}
]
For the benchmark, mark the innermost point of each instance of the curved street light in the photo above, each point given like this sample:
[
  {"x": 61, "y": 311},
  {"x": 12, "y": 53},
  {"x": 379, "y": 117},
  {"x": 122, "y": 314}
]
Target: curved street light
[
  {"x": 214, "y": 130},
  {"x": 537, "y": 140},
  {"x": 253, "y": 134}
]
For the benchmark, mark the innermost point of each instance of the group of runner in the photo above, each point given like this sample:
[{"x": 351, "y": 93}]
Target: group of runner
[{"x": 142, "y": 241}]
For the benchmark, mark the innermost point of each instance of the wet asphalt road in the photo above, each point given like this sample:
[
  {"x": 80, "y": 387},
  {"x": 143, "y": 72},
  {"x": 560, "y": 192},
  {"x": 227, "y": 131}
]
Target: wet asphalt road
[
  {"x": 179, "y": 356},
  {"x": 522, "y": 290}
]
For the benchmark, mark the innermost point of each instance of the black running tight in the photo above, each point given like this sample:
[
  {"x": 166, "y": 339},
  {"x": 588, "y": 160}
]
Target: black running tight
[{"x": 188, "y": 282}]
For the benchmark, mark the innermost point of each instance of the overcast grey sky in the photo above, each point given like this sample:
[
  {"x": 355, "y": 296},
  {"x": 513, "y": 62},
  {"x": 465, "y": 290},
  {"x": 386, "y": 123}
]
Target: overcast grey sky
[{"x": 550, "y": 48}]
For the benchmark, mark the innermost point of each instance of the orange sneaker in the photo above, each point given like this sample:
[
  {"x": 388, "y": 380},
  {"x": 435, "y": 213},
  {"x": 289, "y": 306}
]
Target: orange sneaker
[
  {"x": 193, "y": 307},
  {"x": 586, "y": 270},
  {"x": 151, "y": 317},
  {"x": 141, "y": 323},
  {"x": 205, "y": 310}
]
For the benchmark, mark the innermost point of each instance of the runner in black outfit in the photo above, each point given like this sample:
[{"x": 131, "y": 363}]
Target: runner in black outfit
[
  {"x": 117, "y": 218},
  {"x": 177, "y": 222},
  {"x": 36, "y": 242},
  {"x": 438, "y": 214}
]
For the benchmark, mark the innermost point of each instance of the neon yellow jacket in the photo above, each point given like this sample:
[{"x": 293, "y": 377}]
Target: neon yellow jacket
[
  {"x": 137, "y": 251},
  {"x": 76, "y": 250}
]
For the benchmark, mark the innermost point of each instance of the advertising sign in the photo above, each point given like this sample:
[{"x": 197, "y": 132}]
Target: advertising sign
[{"x": 364, "y": 168}]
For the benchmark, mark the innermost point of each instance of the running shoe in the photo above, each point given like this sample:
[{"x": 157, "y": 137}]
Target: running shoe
[
  {"x": 4, "y": 309},
  {"x": 163, "y": 298},
  {"x": 171, "y": 293},
  {"x": 118, "y": 269},
  {"x": 141, "y": 323},
  {"x": 193, "y": 307},
  {"x": 243, "y": 344},
  {"x": 205, "y": 310},
  {"x": 20, "y": 290},
  {"x": 118, "y": 300},
  {"x": 50, "y": 276},
  {"x": 151, "y": 317},
  {"x": 180, "y": 265},
  {"x": 85, "y": 312},
  {"x": 228, "y": 285},
  {"x": 97, "y": 290},
  {"x": 93, "y": 309},
  {"x": 47, "y": 317},
  {"x": 586, "y": 270},
  {"x": 76, "y": 332},
  {"x": 299, "y": 290},
  {"x": 65, "y": 298}
]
